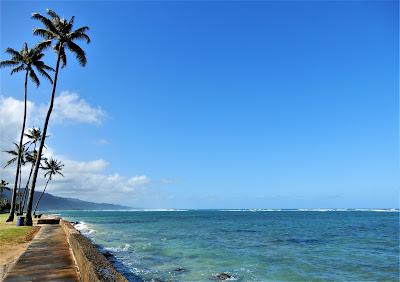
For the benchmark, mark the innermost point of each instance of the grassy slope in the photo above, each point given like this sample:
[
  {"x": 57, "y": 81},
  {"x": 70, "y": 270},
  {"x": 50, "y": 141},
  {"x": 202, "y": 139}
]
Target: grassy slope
[{"x": 10, "y": 234}]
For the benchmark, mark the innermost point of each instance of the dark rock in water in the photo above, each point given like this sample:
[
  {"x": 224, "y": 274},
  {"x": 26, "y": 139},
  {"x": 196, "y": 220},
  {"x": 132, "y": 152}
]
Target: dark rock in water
[
  {"x": 179, "y": 269},
  {"x": 223, "y": 276},
  {"x": 107, "y": 254}
]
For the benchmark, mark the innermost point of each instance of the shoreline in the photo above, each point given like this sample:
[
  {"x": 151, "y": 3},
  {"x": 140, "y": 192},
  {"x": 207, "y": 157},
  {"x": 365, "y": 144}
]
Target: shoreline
[{"x": 93, "y": 265}]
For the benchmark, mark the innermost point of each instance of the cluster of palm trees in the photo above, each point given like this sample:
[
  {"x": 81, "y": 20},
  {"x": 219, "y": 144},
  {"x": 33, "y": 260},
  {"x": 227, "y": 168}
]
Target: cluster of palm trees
[
  {"x": 58, "y": 33},
  {"x": 50, "y": 167}
]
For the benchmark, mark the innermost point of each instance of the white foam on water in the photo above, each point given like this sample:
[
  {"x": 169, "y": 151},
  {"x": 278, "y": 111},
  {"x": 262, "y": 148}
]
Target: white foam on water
[
  {"x": 122, "y": 248},
  {"x": 84, "y": 228},
  {"x": 310, "y": 210}
]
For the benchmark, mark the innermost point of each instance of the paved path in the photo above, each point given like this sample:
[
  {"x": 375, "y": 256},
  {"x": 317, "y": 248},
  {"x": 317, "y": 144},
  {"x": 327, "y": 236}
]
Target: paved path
[{"x": 47, "y": 258}]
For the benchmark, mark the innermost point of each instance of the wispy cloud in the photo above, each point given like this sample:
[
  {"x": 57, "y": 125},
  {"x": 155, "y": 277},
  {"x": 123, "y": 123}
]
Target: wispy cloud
[
  {"x": 68, "y": 106},
  {"x": 102, "y": 142}
]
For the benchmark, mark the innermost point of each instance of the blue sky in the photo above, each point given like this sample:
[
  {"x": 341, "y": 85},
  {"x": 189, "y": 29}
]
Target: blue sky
[{"x": 285, "y": 104}]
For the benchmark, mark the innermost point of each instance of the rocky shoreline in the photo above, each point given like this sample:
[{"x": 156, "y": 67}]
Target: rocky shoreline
[{"x": 92, "y": 264}]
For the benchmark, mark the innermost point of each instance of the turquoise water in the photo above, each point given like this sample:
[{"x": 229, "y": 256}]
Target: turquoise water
[{"x": 249, "y": 245}]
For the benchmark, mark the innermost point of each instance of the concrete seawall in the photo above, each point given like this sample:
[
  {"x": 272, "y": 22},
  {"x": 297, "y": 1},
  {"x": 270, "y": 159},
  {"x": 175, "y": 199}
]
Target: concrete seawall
[{"x": 93, "y": 266}]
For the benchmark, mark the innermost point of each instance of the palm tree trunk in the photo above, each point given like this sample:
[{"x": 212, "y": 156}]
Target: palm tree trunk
[
  {"x": 41, "y": 195},
  {"x": 19, "y": 190},
  {"x": 27, "y": 183},
  {"x": 14, "y": 194},
  {"x": 28, "y": 219},
  {"x": 26, "y": 188}
]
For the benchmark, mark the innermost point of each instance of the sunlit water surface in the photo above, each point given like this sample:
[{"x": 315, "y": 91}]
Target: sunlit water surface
[{"x": 250, "y": 245}]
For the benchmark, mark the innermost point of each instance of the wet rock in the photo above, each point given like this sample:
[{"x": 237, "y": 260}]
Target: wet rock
[
  {"x": 223, "y": 276},
  {"x": 107, "y": 254},
  {"x": 179, "y": 269}
]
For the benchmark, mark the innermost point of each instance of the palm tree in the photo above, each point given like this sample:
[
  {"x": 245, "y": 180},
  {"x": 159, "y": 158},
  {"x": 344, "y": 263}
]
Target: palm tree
[
  {"x": 52, "y": 167},
  {"x": 3, "y": 186},
  {"x": 19, "y": 151},
  {"x": 60, "y": 32},
  {"x": 3, "y": 201},
  {"x": 21, "y": 154},
  {"x": 34, "y": 135},
  {"x": 25, "y": 60}
]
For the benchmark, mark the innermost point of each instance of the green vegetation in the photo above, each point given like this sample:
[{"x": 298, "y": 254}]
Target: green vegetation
[{"x": 11, "y": 234}]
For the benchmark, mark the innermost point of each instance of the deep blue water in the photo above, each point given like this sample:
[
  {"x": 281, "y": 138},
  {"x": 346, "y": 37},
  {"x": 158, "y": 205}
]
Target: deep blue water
[{"x": 249, "y": 245}]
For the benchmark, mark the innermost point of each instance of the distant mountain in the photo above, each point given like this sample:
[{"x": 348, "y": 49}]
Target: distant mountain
[{"x": 51, "y": 202}]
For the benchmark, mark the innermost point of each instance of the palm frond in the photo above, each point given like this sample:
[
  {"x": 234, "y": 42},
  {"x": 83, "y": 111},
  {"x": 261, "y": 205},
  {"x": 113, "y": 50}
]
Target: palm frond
[
  {"x": 80, "y": 35},
  {"x": 82, "y": 29},
  {"x": 44, "y": 73},
  {"x": 15, "y": 54},
  {"x": 11, "y": 161},
  {"x": 47, "y": 34},
  {"x": 47, "y": 22},
  {"x": 53, "y": 14},
  {"x": 79, "y": 53},
  {"x": 11, "y": 152},
  {"x": 42, "y": 65},
  {"x": 71, "y": 21},
  {"x": 43, "y": 45},
  {"x": 18, "y": 69},
  {"x": 34, "y": 77},
  {"x": 8, "y": 63}
]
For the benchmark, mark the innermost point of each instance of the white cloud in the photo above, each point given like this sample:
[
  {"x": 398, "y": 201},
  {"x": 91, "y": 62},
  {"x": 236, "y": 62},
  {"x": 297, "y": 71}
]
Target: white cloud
[
  {"x": 102, "y": 142},
  {"x": 68, "y": 106},
  {"x": 85, "y": 167},
  {"x": 86, "y": 180},
  {"x": 11, "y": 113},
  {"x": 89, "y": 181}
]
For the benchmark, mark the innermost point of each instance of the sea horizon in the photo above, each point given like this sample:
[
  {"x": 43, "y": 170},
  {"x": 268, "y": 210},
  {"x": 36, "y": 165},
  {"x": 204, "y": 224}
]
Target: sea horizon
[{"x": 49, "y": 211}]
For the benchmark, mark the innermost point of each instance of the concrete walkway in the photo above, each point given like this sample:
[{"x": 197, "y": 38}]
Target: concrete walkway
[{"x": 47, "y": 258}]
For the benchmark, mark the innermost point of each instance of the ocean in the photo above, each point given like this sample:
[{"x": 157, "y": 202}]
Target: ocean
[{"x": 248, "y": 245}]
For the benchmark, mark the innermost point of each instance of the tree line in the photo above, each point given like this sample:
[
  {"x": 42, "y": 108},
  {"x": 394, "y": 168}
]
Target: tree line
[{"x": 59, "y": 34}]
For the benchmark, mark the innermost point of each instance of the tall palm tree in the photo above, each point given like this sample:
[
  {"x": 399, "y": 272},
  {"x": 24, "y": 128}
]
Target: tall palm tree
[
  {"x": 34, "y": 135},
  {"x": 52, "y": 167},
  {"x": 25, "y": 60},
  {"x": 60, "y": 32}
]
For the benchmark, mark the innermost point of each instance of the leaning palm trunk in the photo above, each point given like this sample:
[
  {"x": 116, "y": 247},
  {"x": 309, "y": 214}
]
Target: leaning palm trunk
[
  {"x": 26, "y": 190},
  {"x": 28, "y": 219},
  {"x": 27, "y": 183},
  {"x": 41, "y": 195},
  {"x": 14, "y": 194}
]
